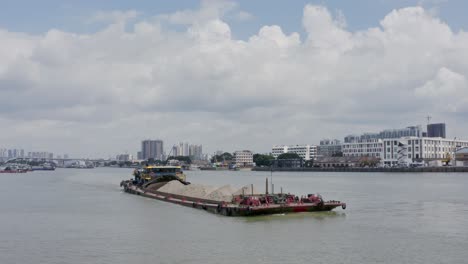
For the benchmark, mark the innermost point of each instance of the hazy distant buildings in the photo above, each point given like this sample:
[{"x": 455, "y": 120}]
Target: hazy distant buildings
[
  {"x": 306, "y": 152},
  {"x": 436, "y": 130},
  {"x": 243, "y": 158},
  {"x": 124, "y": 157},
  {"x": 11, "y": 153},
  {"x": 195, "y": 152},
  {"x": 42, "y": 155},
  {"x": 329, "y": 148},
  {"x": 152, "y": 149}
]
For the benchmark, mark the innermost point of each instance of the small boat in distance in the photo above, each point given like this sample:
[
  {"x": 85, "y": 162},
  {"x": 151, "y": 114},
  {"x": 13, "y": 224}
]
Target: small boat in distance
[{"x": 13, "y": 168}]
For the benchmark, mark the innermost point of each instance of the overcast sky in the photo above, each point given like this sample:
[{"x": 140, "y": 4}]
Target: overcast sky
[{"x": 94, "y": 78}]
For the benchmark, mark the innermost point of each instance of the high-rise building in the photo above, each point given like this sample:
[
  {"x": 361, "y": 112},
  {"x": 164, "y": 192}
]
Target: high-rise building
[
  {"x": 436, "y": 130},
  {"x": 152, "y": 149},
  {"x": 196, "y": 152}
]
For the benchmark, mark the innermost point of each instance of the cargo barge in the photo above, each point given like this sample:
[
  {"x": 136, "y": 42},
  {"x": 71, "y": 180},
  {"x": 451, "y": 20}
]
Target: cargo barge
[{"x": 240, "y": 204}]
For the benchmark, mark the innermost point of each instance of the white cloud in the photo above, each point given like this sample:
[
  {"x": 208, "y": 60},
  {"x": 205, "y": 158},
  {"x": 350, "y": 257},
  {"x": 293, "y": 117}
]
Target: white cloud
[{"x": 109, "y": 89}]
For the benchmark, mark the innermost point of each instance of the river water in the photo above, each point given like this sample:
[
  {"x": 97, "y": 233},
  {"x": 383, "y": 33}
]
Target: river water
[{"x": 82, "y": 216}]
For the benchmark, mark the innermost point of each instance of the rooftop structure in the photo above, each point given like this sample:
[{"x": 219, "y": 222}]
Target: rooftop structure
[
  {"x": 436, "y": 130},
  {"x": 411, "y": 131}
]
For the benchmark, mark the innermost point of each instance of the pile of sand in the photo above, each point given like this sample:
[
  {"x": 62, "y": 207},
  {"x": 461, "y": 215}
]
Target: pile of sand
[
  {"x": 173, "y": 187},
  {"x": 223, "y": 193},
  {"x": 197, "y": 190}
]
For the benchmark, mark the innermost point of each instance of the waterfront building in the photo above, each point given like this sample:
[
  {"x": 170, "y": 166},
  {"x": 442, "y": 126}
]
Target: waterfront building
[
  {"x": 404, "y": 150},
  {"x": 363, "y": 148},
  {"x": 306, "y": 152},
  {"x": 436, "y": 130},
  {"x": 461, "y": 156},
  {"x": 243, "y": 158},
  {"x": 329, "y": 148},
  {"x": 152, "y": 149},
  {"x": 372, "y": 144},
  {"x": 413, "y": 149}
]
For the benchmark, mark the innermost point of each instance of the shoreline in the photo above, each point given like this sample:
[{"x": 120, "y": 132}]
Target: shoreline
[{"x": 348, "y": 169}]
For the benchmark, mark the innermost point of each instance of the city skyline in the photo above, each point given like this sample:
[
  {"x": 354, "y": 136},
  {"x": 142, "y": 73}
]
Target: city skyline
[{"x": 226, "y": 74}]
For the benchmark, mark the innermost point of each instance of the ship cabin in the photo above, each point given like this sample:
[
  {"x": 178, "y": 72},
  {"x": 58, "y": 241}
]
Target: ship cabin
[{"x": 150, "y": 172}]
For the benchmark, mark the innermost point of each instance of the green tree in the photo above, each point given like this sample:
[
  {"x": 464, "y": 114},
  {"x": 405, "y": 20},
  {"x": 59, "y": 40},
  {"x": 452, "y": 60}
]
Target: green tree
[
  {"x": 263, "y": 160},
  {"x": 289, "y": 156}
]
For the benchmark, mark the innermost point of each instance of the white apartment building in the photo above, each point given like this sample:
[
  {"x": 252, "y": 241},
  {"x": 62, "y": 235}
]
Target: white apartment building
[
  {"x": 306, "y": 152},
  {"x": 243, "y": 158},
  {"x": 404, "y": 150},
  {"x": 410, "y": 149},
  {"x": 363, "y": 148}
]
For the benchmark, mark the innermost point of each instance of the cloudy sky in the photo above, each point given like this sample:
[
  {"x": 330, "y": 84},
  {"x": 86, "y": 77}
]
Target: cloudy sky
[{"x": 93, "y": 78}]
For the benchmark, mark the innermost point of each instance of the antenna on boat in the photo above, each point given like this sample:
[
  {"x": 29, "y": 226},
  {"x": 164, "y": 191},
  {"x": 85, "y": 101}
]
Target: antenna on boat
[{"x": 271, "y": 177}]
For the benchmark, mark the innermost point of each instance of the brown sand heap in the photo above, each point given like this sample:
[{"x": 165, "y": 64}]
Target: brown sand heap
[
  {"x": 174, "y": 187},
  {"x": 223, "y": 193},
  {"x": 197, "y": 190},
  {"x": 191, "y": 190}
]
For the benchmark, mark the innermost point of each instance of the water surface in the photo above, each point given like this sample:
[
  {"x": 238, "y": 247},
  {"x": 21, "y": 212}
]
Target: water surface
[{"x": 82, "y": 216}]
